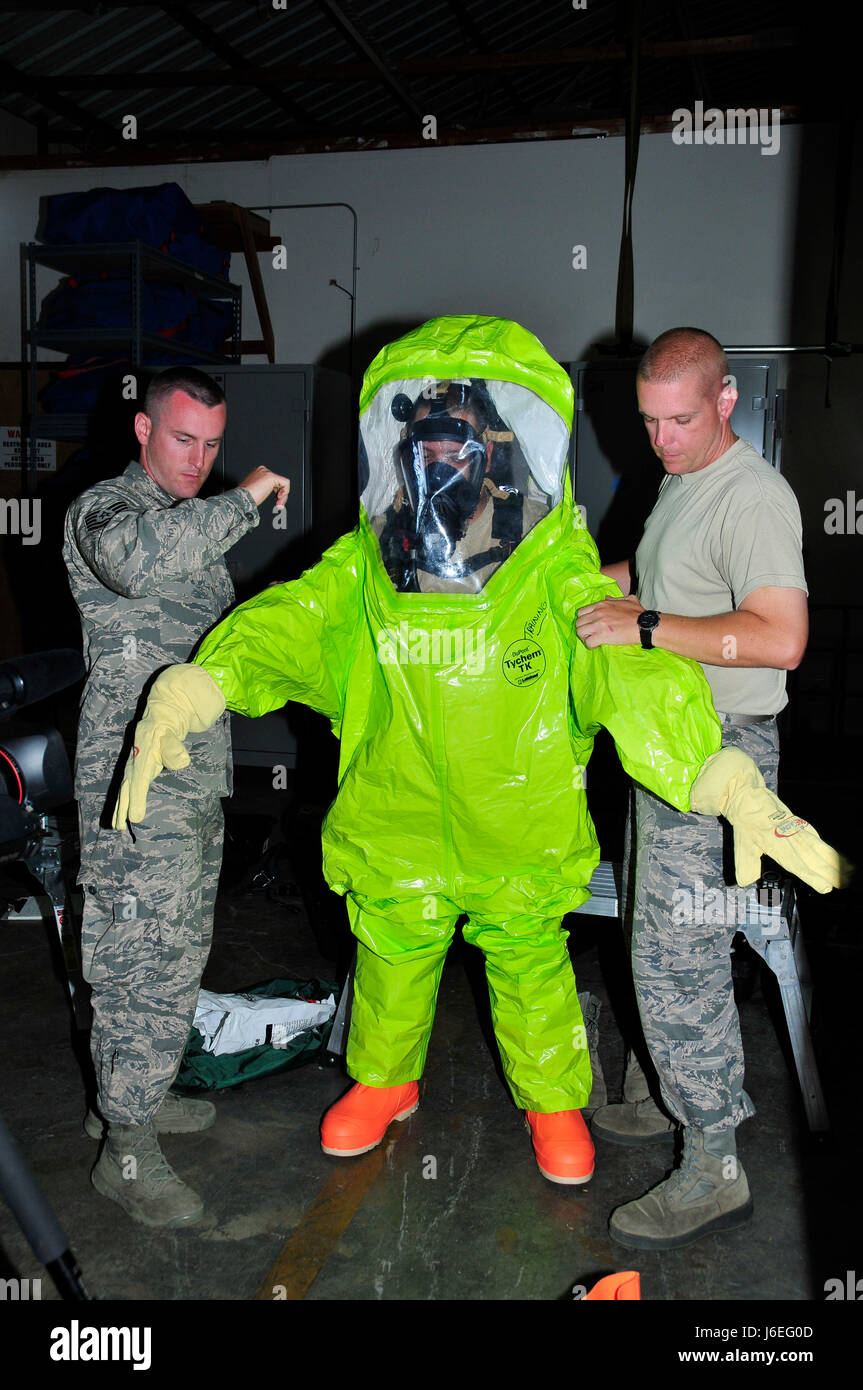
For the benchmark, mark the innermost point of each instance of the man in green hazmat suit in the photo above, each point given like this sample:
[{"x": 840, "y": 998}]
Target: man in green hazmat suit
[{"x": 439, "y": 639}]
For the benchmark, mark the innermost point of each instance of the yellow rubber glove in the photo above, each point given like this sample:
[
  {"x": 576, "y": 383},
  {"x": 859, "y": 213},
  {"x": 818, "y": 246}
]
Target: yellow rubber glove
[
  {"x": 184, "y": 700},
  {"x": 730, "y": 785}
]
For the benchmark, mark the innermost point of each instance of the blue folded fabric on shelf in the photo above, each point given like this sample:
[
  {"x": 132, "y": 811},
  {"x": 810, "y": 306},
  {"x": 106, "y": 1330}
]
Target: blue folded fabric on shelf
[
  {"x": 172, "y": 310},
  {"x": 160, "y": 215},
  {"x": 79, "y": 383},
  {"x": 106, "y": 302}
]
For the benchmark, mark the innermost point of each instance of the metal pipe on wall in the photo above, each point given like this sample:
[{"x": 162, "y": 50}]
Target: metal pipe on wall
[{"x": 283, "y": 207}]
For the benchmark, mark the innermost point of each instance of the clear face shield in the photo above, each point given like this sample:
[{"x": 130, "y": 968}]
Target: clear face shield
[{"x": 454, "y": 474}]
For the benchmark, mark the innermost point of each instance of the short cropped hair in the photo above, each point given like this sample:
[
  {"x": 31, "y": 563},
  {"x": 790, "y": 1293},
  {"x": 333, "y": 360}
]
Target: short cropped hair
[
  {"x": 681, "y": 352},
  {"x": 190, "y": 380}
]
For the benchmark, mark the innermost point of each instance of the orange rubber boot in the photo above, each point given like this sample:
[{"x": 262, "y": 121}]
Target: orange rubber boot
[
  {"x": 618, "y": 1288},
  {"x": 563, "y": 1147},
  {"x": 359, "y": 1121}
]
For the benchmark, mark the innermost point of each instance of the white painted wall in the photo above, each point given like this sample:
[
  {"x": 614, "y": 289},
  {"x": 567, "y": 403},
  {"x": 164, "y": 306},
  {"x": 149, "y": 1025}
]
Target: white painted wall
[
  {"x": 491, "y": 230},
  {"x": 726, "y": 238}
]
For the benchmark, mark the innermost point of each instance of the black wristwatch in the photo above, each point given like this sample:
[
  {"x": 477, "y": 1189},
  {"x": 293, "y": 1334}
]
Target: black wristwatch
[{"x": 647, "y": 621}]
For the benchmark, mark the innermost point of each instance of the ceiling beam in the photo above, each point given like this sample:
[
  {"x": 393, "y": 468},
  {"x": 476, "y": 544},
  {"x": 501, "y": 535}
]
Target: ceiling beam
[
  {"x": 44, "y": 91},
  {"x": 241, "y": 75},
  {"x": 385, "y": 70},
  {"x": 701, "y": 88},
  {"x": 183, "y": 16},
  {"x": 96, "y": 8},
  {"x": 473, "y": 35}
]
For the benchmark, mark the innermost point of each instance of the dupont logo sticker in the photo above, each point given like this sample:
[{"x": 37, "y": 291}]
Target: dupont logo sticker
[
  {"x": 790, "y": 827},
  {"x": 523, "y": 662}
]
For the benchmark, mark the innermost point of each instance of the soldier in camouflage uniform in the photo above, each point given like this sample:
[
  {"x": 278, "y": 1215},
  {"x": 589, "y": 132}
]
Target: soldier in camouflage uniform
[
  {"x": 720, "y": 579},
  {"x": 146, "y": 567}
]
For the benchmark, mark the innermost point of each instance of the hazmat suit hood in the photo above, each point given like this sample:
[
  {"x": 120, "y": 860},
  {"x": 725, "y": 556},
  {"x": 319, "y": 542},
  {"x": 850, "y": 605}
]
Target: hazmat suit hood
[{"x": 464, "y": 437}]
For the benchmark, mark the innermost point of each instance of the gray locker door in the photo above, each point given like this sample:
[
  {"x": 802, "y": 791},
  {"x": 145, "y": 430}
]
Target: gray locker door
[
  {"x": 267, "y": 412},
  {"x": 267, "y": 424},
  {"x": 756, "y": 414}
]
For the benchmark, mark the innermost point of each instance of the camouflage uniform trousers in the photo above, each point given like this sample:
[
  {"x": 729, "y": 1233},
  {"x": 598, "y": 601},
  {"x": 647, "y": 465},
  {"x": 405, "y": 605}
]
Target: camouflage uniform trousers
[
  {"x": 681, "y": 954},
  {"x": 146, "y": 934}
]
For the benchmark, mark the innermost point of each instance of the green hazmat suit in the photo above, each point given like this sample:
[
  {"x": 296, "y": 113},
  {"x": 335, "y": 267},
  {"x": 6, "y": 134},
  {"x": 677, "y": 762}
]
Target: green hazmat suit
[{"x": 466, "y": 721}]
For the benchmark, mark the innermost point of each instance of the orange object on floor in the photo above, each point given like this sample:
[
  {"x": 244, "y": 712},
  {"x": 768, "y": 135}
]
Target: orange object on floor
[
  {"x": 359, "y": 1121},
  {"x": 619, "y": 1287},
  {"x": 562, "y": 1145}
]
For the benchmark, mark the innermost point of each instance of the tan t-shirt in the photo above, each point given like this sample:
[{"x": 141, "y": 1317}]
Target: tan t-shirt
[{"x": 712, "y": 538}]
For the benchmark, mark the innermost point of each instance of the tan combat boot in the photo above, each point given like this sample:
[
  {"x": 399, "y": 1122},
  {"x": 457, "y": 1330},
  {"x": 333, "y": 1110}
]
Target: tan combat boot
[
  {"x": 638, "y": 1119},
  {"x": 707, "y": 1193},
  {"x": 133, "y": 1171},
  {"x": 635, "y": 1084},
  {"x": 176, "y": 1115}
]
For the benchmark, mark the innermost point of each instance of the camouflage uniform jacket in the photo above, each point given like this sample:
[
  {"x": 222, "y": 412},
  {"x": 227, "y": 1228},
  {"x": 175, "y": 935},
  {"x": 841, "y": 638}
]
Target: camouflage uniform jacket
[{"x": 148, "y": 575}]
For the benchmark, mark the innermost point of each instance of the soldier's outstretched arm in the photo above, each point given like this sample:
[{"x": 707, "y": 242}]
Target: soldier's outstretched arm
[
  {"x": 133, "y": 549},
  {"x": 292, "y": 642}
]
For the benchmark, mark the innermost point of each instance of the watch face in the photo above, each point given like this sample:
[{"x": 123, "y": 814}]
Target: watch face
[{"x": 648, "y": 621}]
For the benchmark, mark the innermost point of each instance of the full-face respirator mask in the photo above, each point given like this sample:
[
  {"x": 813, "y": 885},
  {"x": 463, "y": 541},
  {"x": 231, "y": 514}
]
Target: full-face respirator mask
[{"x": 443, "y": 460}]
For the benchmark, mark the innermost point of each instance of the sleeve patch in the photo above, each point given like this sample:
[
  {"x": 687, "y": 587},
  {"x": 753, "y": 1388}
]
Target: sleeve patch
[{"x": 95, "y": 520}]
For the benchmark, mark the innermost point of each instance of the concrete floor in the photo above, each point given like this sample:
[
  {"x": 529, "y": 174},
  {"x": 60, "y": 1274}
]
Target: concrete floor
[{"x": 284, "y": 1220}]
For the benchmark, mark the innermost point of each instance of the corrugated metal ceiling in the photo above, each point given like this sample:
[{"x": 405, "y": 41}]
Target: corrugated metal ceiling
[{"x": 201, "y": 78}]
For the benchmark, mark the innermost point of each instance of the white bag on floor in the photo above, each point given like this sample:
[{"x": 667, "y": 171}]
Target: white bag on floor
[{"x": 235, "y": 1022}]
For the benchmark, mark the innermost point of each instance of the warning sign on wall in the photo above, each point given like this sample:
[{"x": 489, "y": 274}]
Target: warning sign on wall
[{"x": 10, "y": 450}]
